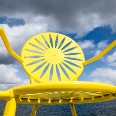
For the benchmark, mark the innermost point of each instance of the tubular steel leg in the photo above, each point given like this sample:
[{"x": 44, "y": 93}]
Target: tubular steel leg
[
  {"x": 34, "y": 110},
  {"x": 10, "y": 107},
  {"x": 73, "y": 110}
]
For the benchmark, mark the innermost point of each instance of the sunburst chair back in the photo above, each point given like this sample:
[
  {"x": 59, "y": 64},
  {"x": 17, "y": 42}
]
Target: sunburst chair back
[
  {"x": 52, "y": 57},
  {"x": 54, "y": 62}
]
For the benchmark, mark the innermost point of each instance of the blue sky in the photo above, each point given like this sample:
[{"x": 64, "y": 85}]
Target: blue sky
[
  {"x": 11, "y": 21},
  {"x": 93, "y": 28}
]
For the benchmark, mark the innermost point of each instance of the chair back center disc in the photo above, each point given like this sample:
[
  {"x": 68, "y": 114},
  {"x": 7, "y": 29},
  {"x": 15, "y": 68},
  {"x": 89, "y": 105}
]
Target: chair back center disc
[{"x": 54, "y": 56}]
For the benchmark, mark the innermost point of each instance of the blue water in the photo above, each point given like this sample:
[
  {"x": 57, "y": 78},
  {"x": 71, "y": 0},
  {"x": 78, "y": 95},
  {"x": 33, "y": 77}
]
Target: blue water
[{"x": 96, "y": 109}]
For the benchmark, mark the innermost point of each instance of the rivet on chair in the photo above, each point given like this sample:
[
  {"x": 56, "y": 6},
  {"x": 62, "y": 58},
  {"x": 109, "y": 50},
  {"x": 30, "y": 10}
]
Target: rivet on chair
[
  {"x": 82, "y": 99},
  {"x": 28, "y": 100},
  {"x": 60, "y": 101},
  {"x": 71, "y": 100},
  {"x": 49, "y": 101},
  {"x": 20, "y": 99},
  {"x": 39, "y": 101}
]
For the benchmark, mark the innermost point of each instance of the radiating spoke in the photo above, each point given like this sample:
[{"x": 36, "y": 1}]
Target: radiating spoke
[
  {"x": 44, "y": 71},
  {"x": 45, "y": 41},
  {"x": 58, "y": 72},
  {"x": 37, "y": 68},
  {"x": 72, "y": 63},
  {"x": 64, "y": 71},
  {"x": 33, "y": 51},
  {"x": 36, "y": 47},
  {"x": 40, "y": 43},
  {"x": 73, "y": 58},
  {"x": 51, "y": 72},
  {"x": 61, "y": 43},
  {"x": 66, "y": 45},
  {"x": 69, "y": 68},
  {"x": 72, "y": 53},
  {"x": 34, "y": 62},
  {"x": 51, "y": 41},
  {"x": 33, "y": 56},
  {"x": 70, "y": 49},
  {"x": 56, "y": 42}
]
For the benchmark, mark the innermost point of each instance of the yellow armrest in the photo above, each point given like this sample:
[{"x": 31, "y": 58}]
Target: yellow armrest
[
  {"x": 5, "y": 94},
  {"x": 102, "y": 53},
  {"x": 7, "y": 44}
]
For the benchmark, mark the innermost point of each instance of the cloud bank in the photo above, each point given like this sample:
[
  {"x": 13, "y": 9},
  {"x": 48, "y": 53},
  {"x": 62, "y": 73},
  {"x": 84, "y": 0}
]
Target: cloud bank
[{"x": 78, "y": 16}]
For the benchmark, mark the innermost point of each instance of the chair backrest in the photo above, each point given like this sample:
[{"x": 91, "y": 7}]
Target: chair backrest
[{"x": 52, "y": 57}]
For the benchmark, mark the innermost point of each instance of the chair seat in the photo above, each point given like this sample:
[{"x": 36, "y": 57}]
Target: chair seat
[{"x": 64, "y": 92}]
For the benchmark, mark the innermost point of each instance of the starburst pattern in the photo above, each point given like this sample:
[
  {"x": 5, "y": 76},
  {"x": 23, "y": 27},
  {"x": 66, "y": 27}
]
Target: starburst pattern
[{"x": 52, "y": 57}]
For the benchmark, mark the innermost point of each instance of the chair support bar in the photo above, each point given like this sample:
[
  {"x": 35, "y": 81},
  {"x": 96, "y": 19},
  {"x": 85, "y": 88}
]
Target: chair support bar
[
  {"x": 73, "y": 110},
  {"x": 5, "y": 94},
  {"x": 34, "y": 110},
  {"x": 107, "y": 49},
  {"x": 10, "y": 108},
  {"x": 7, "y": 44}
]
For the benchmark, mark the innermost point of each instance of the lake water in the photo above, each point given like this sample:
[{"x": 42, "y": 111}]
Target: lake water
[{"x": 96, "y": 109}]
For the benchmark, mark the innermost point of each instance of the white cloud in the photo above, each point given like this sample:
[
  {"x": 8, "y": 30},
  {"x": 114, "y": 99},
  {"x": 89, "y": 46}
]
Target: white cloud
[
  {"x": 3, "y": 87},
  {"x": 86, "y": 23},
  {"x": 97, "y": 52},
  {"x": 86, "y": 44},
  {"x": 106, "y": 75},
  {"x": 9, "y": 77},
  {"x": 111, "y": 59},
  {"x": 78, "y": 16},
  {"x": 102, "y": 44},
  {"x": 112, "y": 64},
  {"x": 8, "y": 74},
  {"x": 2, "y": 48}
]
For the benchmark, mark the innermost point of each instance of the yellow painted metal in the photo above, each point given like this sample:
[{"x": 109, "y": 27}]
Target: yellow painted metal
[
  {"x": 107, "y": 49},
  {"x": 64, "y": 93},
  {"x": 64, "y": 86},
  {"x": 10, "y": 108},
  {"x": 34, "y": 110},
  {"x": 32, "y": 81},
  {"x": 66, "y": 101},
  {"x": 7, "y": 44},
  {"x": 73, "y": 110},
  {"x": 5, "y": 94},
  {"x": 57, "y": 61},
  {"x": 52, "y": 57}
]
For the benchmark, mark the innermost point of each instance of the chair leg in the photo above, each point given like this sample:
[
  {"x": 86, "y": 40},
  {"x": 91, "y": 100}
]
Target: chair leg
[
  {"x": 34, "y": 110},
  {"x": 10, "y": 107},
  {"x": 73, "y": 110}
]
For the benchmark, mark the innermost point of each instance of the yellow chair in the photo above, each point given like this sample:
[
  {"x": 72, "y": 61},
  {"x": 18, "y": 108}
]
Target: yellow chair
[{"x": 54, "y": 62}]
